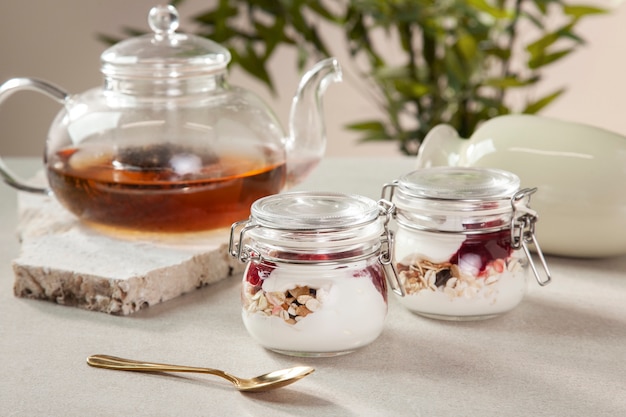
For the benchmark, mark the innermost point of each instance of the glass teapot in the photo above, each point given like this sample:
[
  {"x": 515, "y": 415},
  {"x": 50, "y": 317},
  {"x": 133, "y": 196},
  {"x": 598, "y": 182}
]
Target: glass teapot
[{"x": 167, "y": 144}]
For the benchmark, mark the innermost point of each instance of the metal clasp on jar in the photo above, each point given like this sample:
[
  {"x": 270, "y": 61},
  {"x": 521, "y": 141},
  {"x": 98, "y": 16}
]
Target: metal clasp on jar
[
  {"x": 523, "y": 231},
  {"x": 388, "y": 188},
  {"x": 387, "y": 209},
  {"x": 236, "y": 249}
]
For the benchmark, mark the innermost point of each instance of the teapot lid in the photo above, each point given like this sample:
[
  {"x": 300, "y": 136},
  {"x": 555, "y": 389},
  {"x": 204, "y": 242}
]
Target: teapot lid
[{"x": 164, "y": 53}]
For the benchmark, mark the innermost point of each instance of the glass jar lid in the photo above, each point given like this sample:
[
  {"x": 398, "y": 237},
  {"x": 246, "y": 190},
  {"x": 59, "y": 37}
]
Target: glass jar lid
[
  {"x": 164, "y": 53},
  {"x": 314, "y": 210},
  {"x": 450, "y": 199},
  {"x": 459, "y": 183}
]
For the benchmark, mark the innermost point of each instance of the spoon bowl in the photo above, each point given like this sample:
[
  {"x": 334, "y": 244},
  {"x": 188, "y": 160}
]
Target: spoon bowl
[{"x": 265, "y": 382}]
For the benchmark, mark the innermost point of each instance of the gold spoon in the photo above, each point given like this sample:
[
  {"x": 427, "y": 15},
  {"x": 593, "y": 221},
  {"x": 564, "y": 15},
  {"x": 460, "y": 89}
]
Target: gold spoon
[{"x": 263, "y": 382}]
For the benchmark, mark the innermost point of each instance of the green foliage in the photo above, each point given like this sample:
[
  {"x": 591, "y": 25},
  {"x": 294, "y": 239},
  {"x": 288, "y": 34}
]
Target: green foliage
[{"x": 460, "y": 58}]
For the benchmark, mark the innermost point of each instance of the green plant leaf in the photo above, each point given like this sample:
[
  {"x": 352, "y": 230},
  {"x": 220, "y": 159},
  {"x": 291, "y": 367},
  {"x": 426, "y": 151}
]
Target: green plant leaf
[
  {"x": 509, "y": 82},
  {"x": 467, "y": 46},
  {"x": 372, "y": 125},
  {"x": 321, "y": 10},
  {"x": 543, "y": 60},
  {"x": 303, "y": 56},
  {"x": 486, "y": 7},
  {"x": 373, "y": 130},
  {"x": 504, "y": 54},
  {"x": 391, "y": 73},
  {"x": 579, "y": 11},
  {"x": 375, "y": 138},
  {"x": 532, "y": 18},
  {"x": 540, "y": 46},
  {"x": 412, "y": 89},
  {"x": 536, "y": 106},
  {"x": 255, "y": 66},
  {"x": 457, "y": 76}
]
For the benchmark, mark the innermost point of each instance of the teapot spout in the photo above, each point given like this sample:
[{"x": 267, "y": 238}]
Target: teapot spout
[{"x": 306, "y": 142}]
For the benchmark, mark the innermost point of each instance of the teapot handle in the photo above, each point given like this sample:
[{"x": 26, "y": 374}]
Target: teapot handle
[{"x": 30, "y": 84}]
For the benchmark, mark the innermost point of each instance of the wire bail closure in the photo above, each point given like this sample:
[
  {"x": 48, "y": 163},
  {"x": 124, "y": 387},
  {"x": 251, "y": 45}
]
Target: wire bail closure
[
  {"x": 388, "y": 188},
  {"x": 387, "y": 209},
  {"x": 237, "y": 250},
  {"x": 523, "y": 232}
]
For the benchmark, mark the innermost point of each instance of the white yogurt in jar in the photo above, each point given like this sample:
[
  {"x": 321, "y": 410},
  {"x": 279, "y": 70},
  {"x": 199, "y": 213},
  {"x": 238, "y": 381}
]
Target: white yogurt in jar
[
  {"x": 348, "y": 310},
  {"x": 438, "y": 288}
]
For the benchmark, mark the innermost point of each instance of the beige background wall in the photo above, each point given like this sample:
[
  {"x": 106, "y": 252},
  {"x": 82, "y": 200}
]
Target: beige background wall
[{"x": 55, "y": 40}]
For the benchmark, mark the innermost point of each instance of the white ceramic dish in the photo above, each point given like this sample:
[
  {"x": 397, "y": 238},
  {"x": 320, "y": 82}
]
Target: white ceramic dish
[{"x": 580, "y": 171}]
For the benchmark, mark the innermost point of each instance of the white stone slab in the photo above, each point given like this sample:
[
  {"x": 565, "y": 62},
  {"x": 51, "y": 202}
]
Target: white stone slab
[{"x": 68, "y": 262}]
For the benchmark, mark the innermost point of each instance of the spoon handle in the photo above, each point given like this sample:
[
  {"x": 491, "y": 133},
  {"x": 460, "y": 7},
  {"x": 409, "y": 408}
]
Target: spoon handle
[{"x": 121, "y": 364}]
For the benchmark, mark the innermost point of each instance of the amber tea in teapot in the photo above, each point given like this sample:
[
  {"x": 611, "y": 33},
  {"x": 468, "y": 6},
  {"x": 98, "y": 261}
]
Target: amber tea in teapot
[{"x": 161, "y": 187}]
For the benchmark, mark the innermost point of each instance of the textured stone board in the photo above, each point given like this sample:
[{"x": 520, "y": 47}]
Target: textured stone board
[{"x": 67, "y": 262}]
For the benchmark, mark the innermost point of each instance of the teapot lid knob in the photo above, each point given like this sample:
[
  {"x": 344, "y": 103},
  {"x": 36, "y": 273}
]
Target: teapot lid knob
[
  {"x": 165, "y": 53},
  {"x": 163, "y": 19}
]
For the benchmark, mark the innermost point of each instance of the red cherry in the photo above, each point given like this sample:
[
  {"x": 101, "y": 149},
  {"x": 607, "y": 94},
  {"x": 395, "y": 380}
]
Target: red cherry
[
  {"x": 258, "y": 272},
  {"x": 488, "y": 247}
]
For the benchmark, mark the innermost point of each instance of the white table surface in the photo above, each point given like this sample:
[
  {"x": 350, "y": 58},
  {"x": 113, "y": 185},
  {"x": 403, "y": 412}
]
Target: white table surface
[{"x": 562, "y": 352}]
